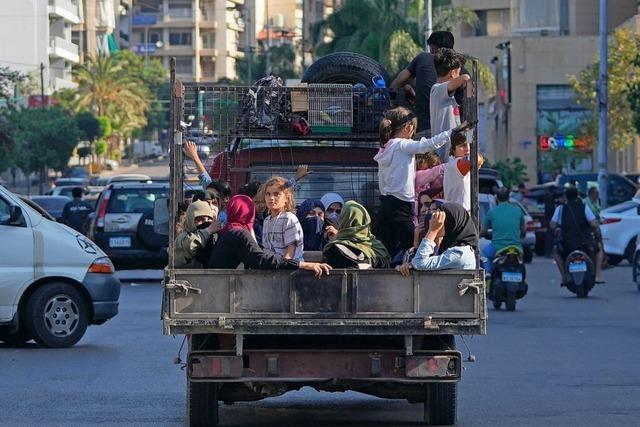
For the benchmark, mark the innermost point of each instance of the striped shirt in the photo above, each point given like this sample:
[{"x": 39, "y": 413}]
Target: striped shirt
[{"x": 281, "y": 231}]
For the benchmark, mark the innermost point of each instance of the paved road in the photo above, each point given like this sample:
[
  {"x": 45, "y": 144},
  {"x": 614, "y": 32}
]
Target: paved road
[{"x": 558, "y": 361}]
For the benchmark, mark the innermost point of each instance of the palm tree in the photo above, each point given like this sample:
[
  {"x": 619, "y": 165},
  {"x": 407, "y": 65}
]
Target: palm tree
[{"x": 107, "y": 89}]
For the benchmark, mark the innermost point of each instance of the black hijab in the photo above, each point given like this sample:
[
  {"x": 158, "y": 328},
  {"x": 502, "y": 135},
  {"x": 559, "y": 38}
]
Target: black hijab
[{"x": 459, "y": 229}]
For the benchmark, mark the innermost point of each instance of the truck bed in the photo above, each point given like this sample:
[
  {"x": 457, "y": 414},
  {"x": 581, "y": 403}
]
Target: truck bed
[{"x": 347, "y": 302}]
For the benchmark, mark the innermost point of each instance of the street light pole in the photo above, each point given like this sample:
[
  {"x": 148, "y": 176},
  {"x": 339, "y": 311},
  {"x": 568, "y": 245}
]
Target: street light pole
[
  {"x": 428, "y": 22},
  {"x": 602, "y": 106},
  {"x": 267, "y": 53}
]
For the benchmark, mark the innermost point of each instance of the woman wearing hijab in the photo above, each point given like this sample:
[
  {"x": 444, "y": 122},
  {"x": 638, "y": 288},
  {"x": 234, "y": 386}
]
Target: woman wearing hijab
[
  {"x": 453, "y": 228},
  {"x": 354, "y": 244},
  {"x": 236, "y": 244},
  {"x": 311, "y": 216}
]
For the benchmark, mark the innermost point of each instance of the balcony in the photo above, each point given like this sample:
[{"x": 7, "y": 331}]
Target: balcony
[
  {"x": 59, "y": 83},
  {"x": 64, "y": 9},
  {"x": 61, "y": 48}
]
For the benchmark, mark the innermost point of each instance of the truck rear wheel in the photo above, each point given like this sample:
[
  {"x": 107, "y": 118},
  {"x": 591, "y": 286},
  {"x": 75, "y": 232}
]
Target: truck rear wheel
[
  {"x": 441, "y": 399},
  {"x": 202, "y": 404}
]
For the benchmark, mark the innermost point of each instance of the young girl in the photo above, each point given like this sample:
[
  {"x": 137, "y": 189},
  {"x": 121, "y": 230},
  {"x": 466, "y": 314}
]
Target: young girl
[
  {"x": 457, "y": 180},
  {"x": 396, "y": 174},
  {"x": 281, "y": 230}
]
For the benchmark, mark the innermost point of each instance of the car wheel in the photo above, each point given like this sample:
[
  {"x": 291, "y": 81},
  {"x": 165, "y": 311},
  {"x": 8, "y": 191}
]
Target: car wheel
[
  {"x": 57, "y": 315},
  {"x": 630, "y": 250},
  {"x": 636, "y": 269},
  {"x": 614, "y": 259}
]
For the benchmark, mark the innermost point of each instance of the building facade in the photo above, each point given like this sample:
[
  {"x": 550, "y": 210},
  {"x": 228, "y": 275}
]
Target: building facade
[
  {"x": 38, "y": 33},
  {"x": 104, "y": 27},
  {"x": 203, "y": 35},
  {"x": 532, "y": 46}
]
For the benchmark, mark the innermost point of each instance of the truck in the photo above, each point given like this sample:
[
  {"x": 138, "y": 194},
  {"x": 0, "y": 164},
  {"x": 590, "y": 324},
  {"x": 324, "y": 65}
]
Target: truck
[{"x": 254, "y": 334}]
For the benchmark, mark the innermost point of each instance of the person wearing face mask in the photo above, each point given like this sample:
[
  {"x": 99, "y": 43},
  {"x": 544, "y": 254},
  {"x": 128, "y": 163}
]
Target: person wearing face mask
[
  {"x": 311, "y": 216},
  {"x": 198, "y": 236},
  {"x": 332, "y": 203}
]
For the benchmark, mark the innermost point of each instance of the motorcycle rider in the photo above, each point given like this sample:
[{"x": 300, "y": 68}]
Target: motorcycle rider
[
  {"x": 506, "y": 221},
  {"x": 573, "y": 221}
]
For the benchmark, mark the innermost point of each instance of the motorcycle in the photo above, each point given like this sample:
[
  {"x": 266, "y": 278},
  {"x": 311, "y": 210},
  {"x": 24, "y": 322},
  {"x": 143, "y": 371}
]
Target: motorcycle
[
  {"x": 580, "y": 273},
  {"x": 508, "y": 278}
]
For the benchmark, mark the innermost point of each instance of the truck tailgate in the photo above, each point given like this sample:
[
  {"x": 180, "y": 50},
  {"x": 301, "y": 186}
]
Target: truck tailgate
[{"x": 351, "y": 302}]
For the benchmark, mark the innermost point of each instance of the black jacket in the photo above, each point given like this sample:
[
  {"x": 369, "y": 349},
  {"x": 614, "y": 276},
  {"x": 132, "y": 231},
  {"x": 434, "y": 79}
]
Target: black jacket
[{"x": 239, "y": 246}]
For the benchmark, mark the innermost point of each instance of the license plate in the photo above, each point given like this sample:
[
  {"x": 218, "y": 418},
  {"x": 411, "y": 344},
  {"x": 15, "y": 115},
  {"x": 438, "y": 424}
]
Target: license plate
[
  {"x": 511, "y": 277},
  {"x": 119, "y": 242},
  {"x": 577, "y": 267}
]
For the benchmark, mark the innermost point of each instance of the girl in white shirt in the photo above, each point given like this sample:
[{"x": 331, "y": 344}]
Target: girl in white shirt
[{"x": 396, "y": 174}]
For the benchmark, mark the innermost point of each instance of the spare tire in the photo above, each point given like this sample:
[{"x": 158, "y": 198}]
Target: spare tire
[
  {"x": 146, "y": 234},
  {"x": 345, "y": 67}
]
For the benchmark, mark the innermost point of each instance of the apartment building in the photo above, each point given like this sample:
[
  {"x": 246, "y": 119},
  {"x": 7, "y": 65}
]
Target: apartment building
[
  {"x": 104, "y": 27},
  {"x": 532, "y": 46},
  {"x": 203, "y": 35},
  {"x": 39, "y": 32}
]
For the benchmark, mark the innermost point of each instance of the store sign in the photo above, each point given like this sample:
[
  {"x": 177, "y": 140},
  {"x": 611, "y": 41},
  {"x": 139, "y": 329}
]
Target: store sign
[
  {"x": 145, "y": 48},
  {"x": 562, "y": 142}
]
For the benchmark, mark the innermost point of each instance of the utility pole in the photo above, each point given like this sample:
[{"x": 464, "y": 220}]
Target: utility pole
[
  {"x": 428, "y": 21},
  {"x": 602, "y": 106},
  {"x": 267, "y": 53},
  {"x": 41, "y": 85},
  {"x": 304, "y": 35}
]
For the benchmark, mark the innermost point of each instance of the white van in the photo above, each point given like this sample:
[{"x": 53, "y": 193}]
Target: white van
[{"x": 54, "y": 282}]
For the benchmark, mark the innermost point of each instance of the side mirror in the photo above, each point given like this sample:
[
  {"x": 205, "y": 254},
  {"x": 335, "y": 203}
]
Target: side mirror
[
  {"x": 161, "y": 216},
  {"x": 16, "y": 217}
]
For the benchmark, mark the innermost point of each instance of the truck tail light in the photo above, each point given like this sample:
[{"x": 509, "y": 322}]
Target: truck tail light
[
  {"x": 102, "y": 265},
  {"x": 102, "y": 210}
]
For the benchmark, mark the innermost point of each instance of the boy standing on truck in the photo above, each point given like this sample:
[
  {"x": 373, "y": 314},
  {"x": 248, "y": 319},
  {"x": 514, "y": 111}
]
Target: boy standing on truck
[{"x": 444, "y": 110}]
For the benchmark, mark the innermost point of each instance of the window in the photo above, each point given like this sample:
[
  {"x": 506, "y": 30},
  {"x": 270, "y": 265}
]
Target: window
[
  {"x": 208, "y": 39},
  {"x": 491, "y": 22},
  {"x": 135, "y": 200},
  {"x": 184, "y": 65},
  {"x": 5, "y": 212},
  {"x": 180, "y": 10},
  {"x": 543, "y": 17},
  {"x": 180, "y": 38},
  {"x": 154, "y": 37}
]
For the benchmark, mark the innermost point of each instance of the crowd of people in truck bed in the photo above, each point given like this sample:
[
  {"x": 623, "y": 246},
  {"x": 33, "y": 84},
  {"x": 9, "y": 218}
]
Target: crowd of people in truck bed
[{"x": 423, "y": 221}]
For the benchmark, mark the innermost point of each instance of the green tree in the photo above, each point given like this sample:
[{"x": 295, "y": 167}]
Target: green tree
[
  {"x": 282, "y": 64},
  {"x": 44, "y": 138},
  {"x": 6, "y": 144},
  {"x": 101, "y": 147},
  {"x": 89, "y": 125},
  {"x": 512, "y": 171},
  {"x": 624, "y": 75}
]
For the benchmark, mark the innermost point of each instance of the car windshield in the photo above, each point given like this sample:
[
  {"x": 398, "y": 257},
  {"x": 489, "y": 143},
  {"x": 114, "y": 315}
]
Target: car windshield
[
  {"x": 352, "y": 183},
  {"x": 135, "y": 200},
  {"x": 51, "y": 204}
]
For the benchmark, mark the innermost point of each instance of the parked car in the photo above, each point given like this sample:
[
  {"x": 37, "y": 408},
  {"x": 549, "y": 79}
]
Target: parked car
[
  {"x": 534, "y": 203},
  {"x": 73, "y": 284},
  {"x": 487, "y": 202},
  {"x": 123, "y": 224},
  {"x": 620, "y": 225},
  {"x": 72, "y": 182},
  {"x": 620, "y": 189},
  {"x": 76, "y": 172},
  {"x": 489, "y": 180},
  {"x": 123, "y": 177},
  {"x": 64, "y": 190},
  {"x": 633, "y": 177},
  {"x": 636, "y": 265},
  {"x": 52, "y": 204}
]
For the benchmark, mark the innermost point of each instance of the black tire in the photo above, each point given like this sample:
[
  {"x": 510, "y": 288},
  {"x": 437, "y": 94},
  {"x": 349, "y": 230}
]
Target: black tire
[
  {"x": 510, "y": 303},
  {"x": 636, "y": 269},
  {"x": 345, "y": 67},
  {"x": 147, "y": 235},
  {"x": 14, "y": 339},
  {"x": 49, "y": 309},
  {"x": 441, "y": 399},
  {"x": 527, "y": 255},
  {"x": 614, "y": 259},
  {"x": 497, "y": 304},
  {"x": 630, "y": 250},
  {"x": 581, "y": 291},
  {"x": 202, "y": 404}
]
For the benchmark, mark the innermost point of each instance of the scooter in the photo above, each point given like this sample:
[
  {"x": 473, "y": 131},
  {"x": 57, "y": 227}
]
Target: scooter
[
  {"x": 508, "y": 278},
  {"x": 580, "y": 270}
]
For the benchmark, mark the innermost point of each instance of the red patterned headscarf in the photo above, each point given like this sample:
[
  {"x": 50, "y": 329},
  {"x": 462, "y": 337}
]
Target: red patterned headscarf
[{"x": 241, "y": 211}]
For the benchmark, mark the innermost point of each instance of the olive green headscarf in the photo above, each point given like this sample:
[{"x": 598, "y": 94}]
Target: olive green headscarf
[{"x": 355, "y": 231}]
